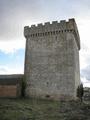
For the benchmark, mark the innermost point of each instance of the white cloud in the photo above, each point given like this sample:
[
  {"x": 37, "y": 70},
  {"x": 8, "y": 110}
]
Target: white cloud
[
  {"x": 86, "y": 83},
  {"x": 5, "y": 69},
  {"x": 83, "y": 27},
  {"x": 12, "y": 46}
]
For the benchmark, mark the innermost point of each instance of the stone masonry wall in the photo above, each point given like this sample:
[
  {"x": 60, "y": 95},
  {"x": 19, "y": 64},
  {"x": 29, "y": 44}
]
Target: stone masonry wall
[{"x": 52, "y": 59}]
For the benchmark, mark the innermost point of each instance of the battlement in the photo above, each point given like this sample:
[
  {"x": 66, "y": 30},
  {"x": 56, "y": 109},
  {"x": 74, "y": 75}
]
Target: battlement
[{"x": 53, "y": 28}]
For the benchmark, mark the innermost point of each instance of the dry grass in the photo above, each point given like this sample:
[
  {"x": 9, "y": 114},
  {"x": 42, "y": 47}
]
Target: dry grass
[{"x": 34, "y": 109}]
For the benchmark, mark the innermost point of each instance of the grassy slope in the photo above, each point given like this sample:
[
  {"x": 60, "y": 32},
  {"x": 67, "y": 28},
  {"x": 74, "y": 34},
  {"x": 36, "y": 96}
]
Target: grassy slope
[{"x": 31, "y": 109}]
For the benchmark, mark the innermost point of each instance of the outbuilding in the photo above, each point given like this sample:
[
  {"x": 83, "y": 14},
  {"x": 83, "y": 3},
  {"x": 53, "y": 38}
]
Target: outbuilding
[{"x": 10, "y": 85}]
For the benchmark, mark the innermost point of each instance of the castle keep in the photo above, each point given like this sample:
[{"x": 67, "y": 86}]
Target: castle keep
[{"x": 52, "y": 59}]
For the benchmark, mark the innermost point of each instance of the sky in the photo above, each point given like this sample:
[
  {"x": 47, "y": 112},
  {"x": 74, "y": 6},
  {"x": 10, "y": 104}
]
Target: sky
[{"x": 15, "y": 14}]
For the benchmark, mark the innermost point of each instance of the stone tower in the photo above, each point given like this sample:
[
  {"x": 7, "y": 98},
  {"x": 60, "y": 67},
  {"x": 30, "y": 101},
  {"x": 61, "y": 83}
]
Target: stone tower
[{"x": 52, "y": 60}]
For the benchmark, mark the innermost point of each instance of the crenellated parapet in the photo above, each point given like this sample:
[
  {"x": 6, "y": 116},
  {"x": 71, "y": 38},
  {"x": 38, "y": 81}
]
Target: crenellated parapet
[{"x": 53, "y": 28}]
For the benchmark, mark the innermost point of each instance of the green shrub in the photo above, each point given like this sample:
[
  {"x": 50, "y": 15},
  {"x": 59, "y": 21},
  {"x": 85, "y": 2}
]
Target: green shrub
[
  {"x": 80, "y": 91},
  {"x": 23, "y": 87}
]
